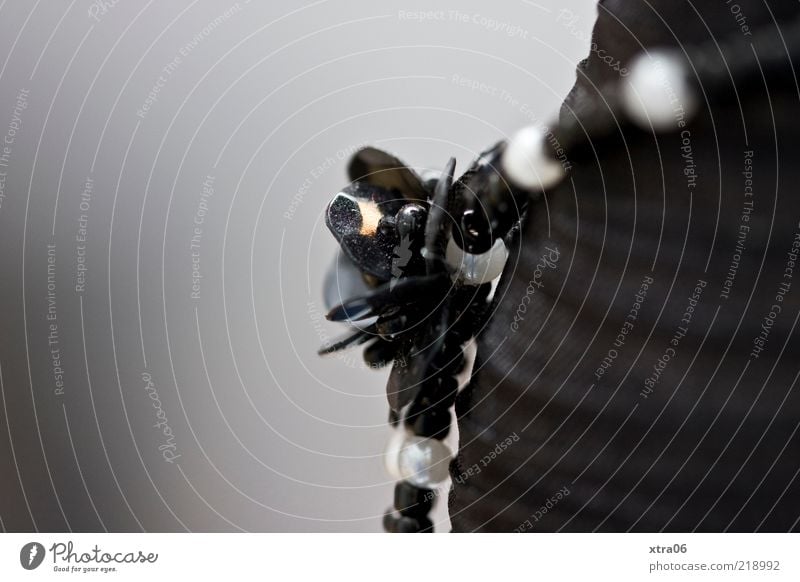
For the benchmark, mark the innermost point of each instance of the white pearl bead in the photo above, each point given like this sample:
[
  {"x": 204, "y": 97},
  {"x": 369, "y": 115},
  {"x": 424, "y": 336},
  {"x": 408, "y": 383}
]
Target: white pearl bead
[
  {"x": 424, "y": 462},
  {"x": 392, "y": 453},
  {"x": 526, "y": 161},
  {"x": 477, "y": 269},
  {"x": 656, "y": 91}
]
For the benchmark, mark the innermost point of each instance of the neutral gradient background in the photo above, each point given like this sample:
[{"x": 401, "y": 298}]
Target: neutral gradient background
[{"x": 194, "y": 146}]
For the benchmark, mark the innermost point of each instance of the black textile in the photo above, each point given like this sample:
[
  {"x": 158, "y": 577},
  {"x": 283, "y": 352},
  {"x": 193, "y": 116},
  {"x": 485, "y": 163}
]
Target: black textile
[{"x": 715, "y": 444}]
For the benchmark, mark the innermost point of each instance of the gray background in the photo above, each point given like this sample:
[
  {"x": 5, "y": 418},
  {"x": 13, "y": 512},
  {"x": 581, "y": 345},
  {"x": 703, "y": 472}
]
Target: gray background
[{"x": 268, "y": 101}]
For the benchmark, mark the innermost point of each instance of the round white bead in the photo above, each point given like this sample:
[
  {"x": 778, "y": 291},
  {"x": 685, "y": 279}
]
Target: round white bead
[
  {"x": 657, "y": 90},
  {"x": 424, "y": 462},
  {"x": 477, "y": 269},
  {"x": 526, "y": 161},
  {"x": 392, "y": 454}
]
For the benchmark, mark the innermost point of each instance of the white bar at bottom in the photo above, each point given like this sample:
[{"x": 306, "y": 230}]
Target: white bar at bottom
[{"x": 407, "y": 558}]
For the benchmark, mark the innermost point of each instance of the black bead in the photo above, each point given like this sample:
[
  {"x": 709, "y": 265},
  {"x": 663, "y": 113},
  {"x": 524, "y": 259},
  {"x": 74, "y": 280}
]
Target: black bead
[
  {"x": 428, "y": 421},
  {"x": 410, "y": 221},
  {"x": 379, "y": 353},
  {"x": 450, "y": 361},
  {"x": 396, "y": 523},
  {"x": 371, "y": 249},
  {"x": 493, "y": 215},
  {"x": 407, "y": 524},
  {"x": 442, "y": 391},
  {"x": 412, "y": 501},
  {"x": 386, "y": 225},
  {"x": 476, "y": 232},
  {"x": 390, "y": 522}
]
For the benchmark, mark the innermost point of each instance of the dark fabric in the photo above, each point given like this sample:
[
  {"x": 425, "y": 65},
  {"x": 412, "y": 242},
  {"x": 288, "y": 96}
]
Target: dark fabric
[{"x": 713, "y": 443}]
